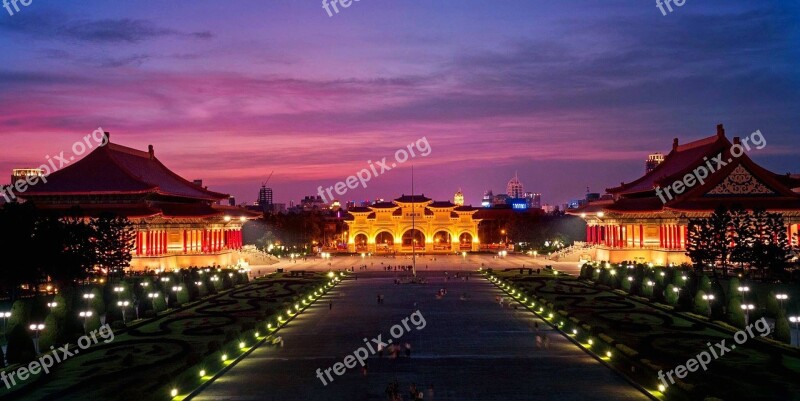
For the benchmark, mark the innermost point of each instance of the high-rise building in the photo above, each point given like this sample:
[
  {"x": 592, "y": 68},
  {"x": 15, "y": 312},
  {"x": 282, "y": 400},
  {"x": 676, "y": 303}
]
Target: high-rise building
[
  {"x": 652, "y": 162},
  {"x": 514, "y": 188},
  {"x": 500, "y": 200},
  {"x": 488, "y": 199},
  {"x": 534, "y": 200},
  {"x": 265, "y": 198},
  {"x": 458, "y": 198},
  {"x": 311, "y": 203}
]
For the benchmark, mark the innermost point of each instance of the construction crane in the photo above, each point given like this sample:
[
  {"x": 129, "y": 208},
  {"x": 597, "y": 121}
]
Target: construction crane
[{"x": 264, "y": 184}]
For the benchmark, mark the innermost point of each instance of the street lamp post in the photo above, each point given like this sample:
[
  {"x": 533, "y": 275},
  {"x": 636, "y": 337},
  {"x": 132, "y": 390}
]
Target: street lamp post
[
  {"x": 744, "y": 290},
  {"x": 153, "y": 296},
  {"x": 88, "y": 298},
  {"x": 709, "y": 298},
  {"x": 123, "y": 305},
  {"x": 781, "y": 299},
  {"x": 747, "y": 308},
  {"x": 176, "y": 290},
  {"x": 36, "y": 328},
  {"x": 796, "y": 321},
  {"x": 85, "y": 315},
  {"x": 5, "y": 316}
]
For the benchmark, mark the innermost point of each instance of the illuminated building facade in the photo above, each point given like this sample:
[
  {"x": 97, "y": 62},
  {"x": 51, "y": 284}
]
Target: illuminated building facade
[
  {"x": 636, "y": 224},
  {"x": 178, "y": 223},
  {"x": 458, "y": 198},
  {"x": 410, "y": 223}
]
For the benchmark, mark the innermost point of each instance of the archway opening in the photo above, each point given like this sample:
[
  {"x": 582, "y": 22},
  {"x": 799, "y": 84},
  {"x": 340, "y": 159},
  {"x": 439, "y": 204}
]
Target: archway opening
[
  {"x": 361, "y": 242},
  {"x": 384, "y": 241},
  {"x": 414, "y": 238},
  {"x": 442, "y": 240},
  {"x": 465, "y": 242}
]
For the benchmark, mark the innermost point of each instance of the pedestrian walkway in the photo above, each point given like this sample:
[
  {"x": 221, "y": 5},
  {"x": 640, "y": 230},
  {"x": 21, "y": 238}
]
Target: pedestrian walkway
[{"x": 470, "y": 349}]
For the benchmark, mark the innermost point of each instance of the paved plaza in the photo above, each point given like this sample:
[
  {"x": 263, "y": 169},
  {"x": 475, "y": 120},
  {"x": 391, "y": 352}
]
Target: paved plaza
[{"x": 469, "y": 349}]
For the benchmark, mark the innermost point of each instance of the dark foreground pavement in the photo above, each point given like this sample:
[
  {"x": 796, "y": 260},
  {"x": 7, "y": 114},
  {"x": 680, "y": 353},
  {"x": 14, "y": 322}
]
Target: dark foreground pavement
[{"x": 468, "y": 350}]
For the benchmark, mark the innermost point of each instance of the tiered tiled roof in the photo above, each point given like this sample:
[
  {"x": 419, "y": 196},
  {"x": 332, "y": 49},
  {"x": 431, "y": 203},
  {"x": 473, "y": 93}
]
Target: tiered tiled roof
[
  {"x": 127, "y": 182},
  {"x": 740, "y": 182}
]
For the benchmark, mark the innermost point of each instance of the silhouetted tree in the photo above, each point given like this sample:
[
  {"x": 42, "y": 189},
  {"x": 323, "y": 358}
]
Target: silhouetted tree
[{"x": 114, "y": 241}]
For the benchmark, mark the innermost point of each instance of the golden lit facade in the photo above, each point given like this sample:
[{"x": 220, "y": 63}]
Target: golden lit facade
[
  {"x": 643, "y": 223},
  {"x": 458, "y": 198},
  {"x": 412, "y": 223}
]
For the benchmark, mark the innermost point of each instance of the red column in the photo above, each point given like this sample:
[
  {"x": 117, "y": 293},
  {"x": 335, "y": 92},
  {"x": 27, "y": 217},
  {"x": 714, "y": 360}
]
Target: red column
[
  {"x": 641, "y": 235},
  {"x": 138, "y": 243},
  {"x": 184, "y": 241},
  {"x": 671, "y": 236},
  {"x": 661, "y": 235},
  {"x": 677, "y": 236},
  {"x": 625, "y": 236},
  {"x": 203, "y": 241}
]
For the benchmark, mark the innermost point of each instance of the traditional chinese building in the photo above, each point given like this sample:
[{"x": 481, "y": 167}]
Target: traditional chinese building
[
  {"x": 410, "y": 223},
  {"x": 178, "y": 223},
  {"x": 646, "y": 222}
]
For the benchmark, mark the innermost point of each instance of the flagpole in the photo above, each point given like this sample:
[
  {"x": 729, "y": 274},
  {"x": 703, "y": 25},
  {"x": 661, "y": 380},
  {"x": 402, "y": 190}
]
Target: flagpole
[{"x": 413, "y": 227}]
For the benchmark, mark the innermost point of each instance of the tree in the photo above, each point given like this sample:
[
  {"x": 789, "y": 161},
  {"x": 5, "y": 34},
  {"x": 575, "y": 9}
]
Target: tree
[
  {"x": 672, "y": 295},
  {"x": 19, "y": 221},
  {"x": 742, "y": 230},
  {"x": 720, "y": 225},
  {"x": 735, "y": 312},
  {"x": 65, "y": 250},
  {"x": 114, "y": 241},
  {"x": 783, "y": 332},
  {"x": 699, "y": 243},
  {"x": 701, "y": 305},
  {"x": 770, "y": 248}
]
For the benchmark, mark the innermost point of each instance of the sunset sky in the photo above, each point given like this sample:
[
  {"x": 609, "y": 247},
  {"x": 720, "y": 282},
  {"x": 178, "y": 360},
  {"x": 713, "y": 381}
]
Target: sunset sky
[{"x": 568, "y": 93}]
